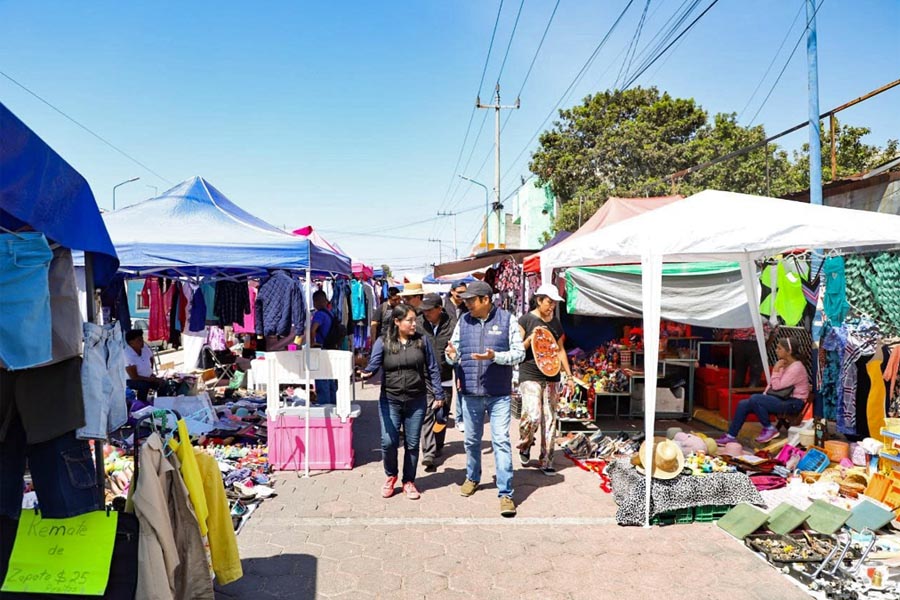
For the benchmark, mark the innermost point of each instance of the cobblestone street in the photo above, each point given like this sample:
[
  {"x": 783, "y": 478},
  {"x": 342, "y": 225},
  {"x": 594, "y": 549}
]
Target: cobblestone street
[{"x": 333, "y": 536}]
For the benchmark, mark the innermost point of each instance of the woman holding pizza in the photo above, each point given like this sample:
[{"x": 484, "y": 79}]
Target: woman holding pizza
[{"x": 545, "y": 356}]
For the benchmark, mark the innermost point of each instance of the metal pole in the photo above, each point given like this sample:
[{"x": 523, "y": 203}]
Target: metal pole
[
  {"x": 452, "y": 214},
  {"x": 121, "y": 184},
  {"x": 815, "y": 143},
  {"x": 833, "y": 122},
  {"x": 768, "y": 178},
  {"x": 308, "y": 346},
  {"x": 580, "y": 200},
  {"x": 497, "y": 164},
  {"x": 98, "y": 445}
]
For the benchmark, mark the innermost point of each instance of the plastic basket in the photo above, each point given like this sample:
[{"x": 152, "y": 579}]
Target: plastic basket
[
  {"x": 710, "y": 513},
  {"x": 814, "y": 460},
  {"x": 672, "y": 517}
]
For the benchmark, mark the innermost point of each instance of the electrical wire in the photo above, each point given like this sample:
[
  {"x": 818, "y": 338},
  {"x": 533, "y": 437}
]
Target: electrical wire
[
  {"x": 490, "y": 47},
  {"x": 90, "y": 131},
  {"x": 632, "y": 47},
  {"x": 509, "y": 45},
  {"x": 786, "y": 63},
  {"x": 774, "y": 58},
  {"x": 574, "y": 82},
  {"x": 649, "y": 64}
]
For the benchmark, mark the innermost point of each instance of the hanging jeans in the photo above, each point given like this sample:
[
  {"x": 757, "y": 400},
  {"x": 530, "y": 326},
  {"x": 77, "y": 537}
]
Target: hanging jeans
[
  {"x": 62, "y": 470},
  {"x": 25, "y": 326},
  {"x": 103, "y": 381}
]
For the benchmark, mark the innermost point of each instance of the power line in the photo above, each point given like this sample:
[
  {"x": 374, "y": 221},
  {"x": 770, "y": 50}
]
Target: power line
[
  {"x": 672, "y": 43},
  {"x": 574, "y": 82},
  {"x": 632, "y": 47},
  {"x": 786, "y": 63},
  {"x": 490, "y": 47},
  {"x": 509, "y": 45},
  {"x": 86, "y": 128},
  {"x": 774, "y": 58},
  {"x": 462, "y": 148},
  {"x": 395, "y": 227},
  {"x": 518, "y": 95}
]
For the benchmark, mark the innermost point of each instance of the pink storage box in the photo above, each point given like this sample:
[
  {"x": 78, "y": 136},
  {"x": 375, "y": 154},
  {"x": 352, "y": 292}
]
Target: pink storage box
[{"x": 330, "y": 440}]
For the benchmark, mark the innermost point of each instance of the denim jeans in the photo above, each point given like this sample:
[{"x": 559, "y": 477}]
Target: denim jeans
[
  {"x": 762, "y": 406},
  {"x": 62, "y": 470},
  {"x": 103, "y": 381},
  {"x": 25, "y": 326},
  {"x": 326, "y": 391},
  {"x": 497, "y": 408},
  {"x": 409, "y": 414}
]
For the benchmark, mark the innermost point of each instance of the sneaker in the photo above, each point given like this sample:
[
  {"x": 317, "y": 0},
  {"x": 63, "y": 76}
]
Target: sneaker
[
  {"x": 431, "y": 468},
  {"x": 468, "y": 488},
  {"x": 768, "y": 433},
  {"x": 525, "y": 458},
  {"x": 549, "y": 471},
  {"x": 409, "y": 488},
  {"x": 387, "y": 490},
  {"x": 460, "y": 427},
  {"x": 725, "y": 439},
  {"x": 507, "y": 507}
]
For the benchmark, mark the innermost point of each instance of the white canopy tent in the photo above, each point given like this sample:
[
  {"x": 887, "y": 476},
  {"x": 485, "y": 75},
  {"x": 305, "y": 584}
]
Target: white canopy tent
[{"x": 717, "y": 226}]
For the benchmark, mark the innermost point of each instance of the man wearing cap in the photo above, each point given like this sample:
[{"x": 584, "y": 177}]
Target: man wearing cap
[
  {"x": 539, "y": 391},
  {"x": 437, "y": 326},
  {"x": 454, "y": 304},
  {"x": 485, "y": 345}
]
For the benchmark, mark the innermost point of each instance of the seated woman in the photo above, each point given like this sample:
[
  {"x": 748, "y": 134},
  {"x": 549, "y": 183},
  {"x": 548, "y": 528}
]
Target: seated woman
[
  {"x": 139, "y": 365},
  {"x": 788, "y": 371}
]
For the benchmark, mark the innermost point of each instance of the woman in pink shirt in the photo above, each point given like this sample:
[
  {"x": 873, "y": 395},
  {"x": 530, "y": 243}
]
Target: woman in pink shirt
[{"x": 787, "y": 372}]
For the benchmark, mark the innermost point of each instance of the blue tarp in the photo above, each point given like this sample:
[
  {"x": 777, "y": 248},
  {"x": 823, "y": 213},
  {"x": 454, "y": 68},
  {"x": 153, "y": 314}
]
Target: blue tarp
[
  {"x": 41, "y": 190},
  {"x": 193, "y": 229},
  {"x": 447, "y": 280}
]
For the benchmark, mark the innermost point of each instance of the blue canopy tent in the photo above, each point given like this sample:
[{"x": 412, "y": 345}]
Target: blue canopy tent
[
  {"x": 40, "y": 190},
  {"x": 194, "y": 230}
]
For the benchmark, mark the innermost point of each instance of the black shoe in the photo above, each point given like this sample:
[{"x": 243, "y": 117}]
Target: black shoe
[
  {"x": 431, "y": 468},
  {"x": 525, "y": 458}
]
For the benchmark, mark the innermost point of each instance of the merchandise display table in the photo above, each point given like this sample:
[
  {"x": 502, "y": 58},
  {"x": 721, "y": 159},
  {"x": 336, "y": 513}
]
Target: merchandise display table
[{"x": 684, "y": 491}]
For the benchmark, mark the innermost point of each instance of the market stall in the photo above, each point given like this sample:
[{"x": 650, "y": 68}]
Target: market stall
[
  {"x": 195, "y": 233},
  {"x": 716, "y": 226}
]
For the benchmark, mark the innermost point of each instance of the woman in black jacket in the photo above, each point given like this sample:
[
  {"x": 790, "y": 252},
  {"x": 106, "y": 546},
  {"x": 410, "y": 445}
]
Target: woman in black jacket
[{"x": 410, "y": 373}]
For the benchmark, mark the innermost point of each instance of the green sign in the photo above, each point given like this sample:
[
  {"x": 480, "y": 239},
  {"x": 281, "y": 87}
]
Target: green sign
[{"x": 62, "y": 556}]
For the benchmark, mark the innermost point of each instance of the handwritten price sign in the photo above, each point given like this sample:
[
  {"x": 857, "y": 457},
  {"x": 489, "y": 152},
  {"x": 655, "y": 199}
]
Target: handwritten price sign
[{"x": 62, "y": 556}]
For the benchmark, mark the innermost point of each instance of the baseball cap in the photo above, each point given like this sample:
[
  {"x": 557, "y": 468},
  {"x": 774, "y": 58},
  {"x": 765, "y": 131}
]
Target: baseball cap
[
  {"x": 430, "y": 301},
  {"x": 549, "y": 290},
  {"x": 458, "y": 283},
  {"x": 477, "y": 288}
]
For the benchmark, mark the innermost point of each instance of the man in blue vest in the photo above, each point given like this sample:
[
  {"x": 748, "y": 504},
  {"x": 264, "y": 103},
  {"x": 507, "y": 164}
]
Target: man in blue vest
[{"x": 485, "y": 345}]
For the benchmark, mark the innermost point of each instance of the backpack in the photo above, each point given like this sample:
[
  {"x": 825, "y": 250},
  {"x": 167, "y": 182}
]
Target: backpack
[{"x": 336, "y": 333}]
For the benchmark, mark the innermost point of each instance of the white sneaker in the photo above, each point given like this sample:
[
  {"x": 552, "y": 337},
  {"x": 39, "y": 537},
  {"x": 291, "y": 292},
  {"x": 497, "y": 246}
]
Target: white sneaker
[{"x": 460, "y": 428}]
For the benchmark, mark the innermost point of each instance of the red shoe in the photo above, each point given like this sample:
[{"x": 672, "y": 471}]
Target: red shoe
[
  {"x": 387, "y": 490},
  {"x": 409, "y": 488}
]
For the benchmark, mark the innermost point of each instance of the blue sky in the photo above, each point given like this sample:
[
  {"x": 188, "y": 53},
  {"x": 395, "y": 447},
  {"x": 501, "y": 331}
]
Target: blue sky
[{"x": 350, "y": 115}]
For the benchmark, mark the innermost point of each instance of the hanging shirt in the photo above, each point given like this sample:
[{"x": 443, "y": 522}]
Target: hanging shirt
[
  {"x": 357, "y": 300},
  {"x": 209, "y": 298},
  {"x": 197, "y": 319},
  {"x": 248, "y": 323},
  {"x": 232, "y": 301},
  {"x": 223, "y": 549},
  {"x": 190, "y": 473},
  {"x": 280, "y": 306},
  {"x": 152, "y": 296}
]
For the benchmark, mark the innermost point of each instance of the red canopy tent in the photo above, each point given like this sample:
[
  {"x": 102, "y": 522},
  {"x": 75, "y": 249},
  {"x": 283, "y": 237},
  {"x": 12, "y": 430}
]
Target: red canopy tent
[
  {"x": 362, "y": 270},
  {"x": 612, "y": 211}
]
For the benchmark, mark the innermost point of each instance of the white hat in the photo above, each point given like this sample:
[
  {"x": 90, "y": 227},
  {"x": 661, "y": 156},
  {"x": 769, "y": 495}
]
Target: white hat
[{"x": 549, "y": 290}]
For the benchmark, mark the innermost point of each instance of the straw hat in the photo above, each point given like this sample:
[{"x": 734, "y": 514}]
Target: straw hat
[
  {"x": 413, "y": 289},
  {"x": 668, "y": 459}
]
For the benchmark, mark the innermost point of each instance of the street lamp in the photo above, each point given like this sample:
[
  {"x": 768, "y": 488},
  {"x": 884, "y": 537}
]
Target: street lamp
[
  {"x": 120, "y": 184},
  {"x": 486, "y": 208}
]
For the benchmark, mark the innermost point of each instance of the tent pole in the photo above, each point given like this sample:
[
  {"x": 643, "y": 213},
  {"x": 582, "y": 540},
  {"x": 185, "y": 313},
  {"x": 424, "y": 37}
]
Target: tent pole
[
  {"x": 89, "y": 312},
  {"x": 748, "y": 274},
  {"x": 651, "y": 287},
  {"x": 307, "y": 351}
]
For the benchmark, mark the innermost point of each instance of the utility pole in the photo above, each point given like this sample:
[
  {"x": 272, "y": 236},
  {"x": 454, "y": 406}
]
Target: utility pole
[
  {"x": 498, "y": 207},
  {"x": 815, "y": 142},
  {"x": 452, "y": 214},
  {"x": 440, "y": 256}
]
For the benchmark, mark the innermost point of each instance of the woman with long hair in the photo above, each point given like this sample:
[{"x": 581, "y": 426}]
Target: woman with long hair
[
  {"x": 410, "y": 371},
  {"x": 788, "y": 373}
]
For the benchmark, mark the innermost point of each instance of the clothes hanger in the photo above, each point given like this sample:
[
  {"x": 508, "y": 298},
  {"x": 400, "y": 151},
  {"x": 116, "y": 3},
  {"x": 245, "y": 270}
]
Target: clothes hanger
[{"x": 11, "y": 232}]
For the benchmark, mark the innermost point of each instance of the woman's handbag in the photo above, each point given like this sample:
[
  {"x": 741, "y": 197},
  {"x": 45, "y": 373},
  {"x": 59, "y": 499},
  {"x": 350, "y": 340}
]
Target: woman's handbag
[{"x": 783, "y": 393}]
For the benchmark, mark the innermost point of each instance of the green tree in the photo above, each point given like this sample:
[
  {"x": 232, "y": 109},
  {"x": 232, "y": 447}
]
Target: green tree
[
  {"x": 626, "y": 143},
  {"x": 387, "y": 271}
]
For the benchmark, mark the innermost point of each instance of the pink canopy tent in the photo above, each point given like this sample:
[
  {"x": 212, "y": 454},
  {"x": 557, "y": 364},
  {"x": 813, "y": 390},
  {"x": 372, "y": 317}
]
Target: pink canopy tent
[
  {"x": 612, "y": 211},
  {"x": 361, "y": 270}
]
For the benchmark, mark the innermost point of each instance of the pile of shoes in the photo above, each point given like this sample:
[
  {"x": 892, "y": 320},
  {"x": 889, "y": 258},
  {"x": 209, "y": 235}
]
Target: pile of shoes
[
  {"x": 246, "y": 474},
  {"x": 622, "y": 444}
]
